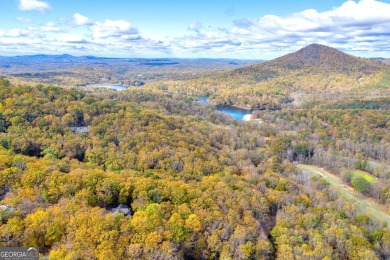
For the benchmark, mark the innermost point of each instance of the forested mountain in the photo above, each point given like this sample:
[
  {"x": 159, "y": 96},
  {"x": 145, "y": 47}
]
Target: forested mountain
[
  {"x": 312, "y": 74},
  {"x": 317, "y": 58},
  {"x": 198, "y": 184}
]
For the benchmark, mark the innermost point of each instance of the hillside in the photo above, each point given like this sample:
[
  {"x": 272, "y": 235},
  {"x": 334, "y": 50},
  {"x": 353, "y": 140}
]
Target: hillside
[
  {"x": 316, "y": 71},
  {"x": 376, "y": 212},
  {"x": 198, "y": 184},
  {"x": 384, "y": 60},
  {"x": 314, "y": 58}
]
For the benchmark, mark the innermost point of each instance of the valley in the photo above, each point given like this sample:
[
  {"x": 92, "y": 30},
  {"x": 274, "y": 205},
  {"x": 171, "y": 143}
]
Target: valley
[
  {"x": 70, "y": 71},
  {"x": 195, "y": 130},
  {"x": 305, "y": 175},
  {"x": 235, "y": 112},
  {"x": 316, "y": 74}
]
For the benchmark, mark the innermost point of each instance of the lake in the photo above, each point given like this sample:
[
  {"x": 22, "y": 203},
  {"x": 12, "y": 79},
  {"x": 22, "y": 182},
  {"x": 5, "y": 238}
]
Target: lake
[
  {"x": 235, "y": 112},
  {"x": 117, "y": 87}
]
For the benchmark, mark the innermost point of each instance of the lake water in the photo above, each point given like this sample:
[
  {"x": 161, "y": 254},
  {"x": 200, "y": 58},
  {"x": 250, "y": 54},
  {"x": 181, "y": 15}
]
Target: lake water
[
  {"x": 235, "y": 112},
  {"x": 117, "y": 87},
  {"x": 203, "y": 100}
]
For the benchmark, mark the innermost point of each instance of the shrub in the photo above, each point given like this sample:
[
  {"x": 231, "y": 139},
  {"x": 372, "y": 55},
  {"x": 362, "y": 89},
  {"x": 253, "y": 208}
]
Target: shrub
[{"x": 361, "y": 185}]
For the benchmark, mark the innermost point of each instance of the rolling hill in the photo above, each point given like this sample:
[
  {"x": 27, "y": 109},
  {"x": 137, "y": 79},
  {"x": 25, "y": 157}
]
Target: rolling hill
[
  {"x": 292, "y": 79},
  {"x": 68, "y": 70},
  {"x": 197, "y": 184},
  {"x": 315, "y": 58}
]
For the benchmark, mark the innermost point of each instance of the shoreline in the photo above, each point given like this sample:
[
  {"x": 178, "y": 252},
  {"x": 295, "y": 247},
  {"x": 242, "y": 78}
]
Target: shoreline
[{"x": 247, "y": 117}]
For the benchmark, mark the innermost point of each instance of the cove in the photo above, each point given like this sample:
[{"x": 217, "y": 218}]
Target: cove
[
  {"x": 235, "y": 112},
  {"x": 117, "y": 87}
]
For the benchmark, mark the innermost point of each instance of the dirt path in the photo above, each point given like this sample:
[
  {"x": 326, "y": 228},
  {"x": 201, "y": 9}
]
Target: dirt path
[{"x": 364, "y": 205}]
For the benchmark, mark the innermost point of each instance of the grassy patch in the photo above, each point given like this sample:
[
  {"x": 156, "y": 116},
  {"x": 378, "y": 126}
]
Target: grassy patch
[
  {"x": 363, "y": 205},
  {"x": 383, "y": 83},
  {"x": 365, "y": 175}
]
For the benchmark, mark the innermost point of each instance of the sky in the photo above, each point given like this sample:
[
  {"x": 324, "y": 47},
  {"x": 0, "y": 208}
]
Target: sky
[{"x": 245, "y": 29}]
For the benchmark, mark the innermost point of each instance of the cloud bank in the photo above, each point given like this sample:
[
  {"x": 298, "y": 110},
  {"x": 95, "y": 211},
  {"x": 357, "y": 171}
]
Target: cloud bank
[
  {"x": 361, "y": 27},
  {"x": 113, "y": 29},
  {"x": 29, "y": 5}
]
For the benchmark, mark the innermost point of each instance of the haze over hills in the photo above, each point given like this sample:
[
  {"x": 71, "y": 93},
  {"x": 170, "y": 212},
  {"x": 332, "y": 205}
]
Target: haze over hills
[
  {"x": 385, "y": 61},
  {"x": 67, "y": 70},
  {"x": 42, "y": 62}
]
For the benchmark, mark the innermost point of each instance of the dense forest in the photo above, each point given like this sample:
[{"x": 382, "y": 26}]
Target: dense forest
[
  {"x": 199, "y": 185},
  {"x": 310, "y": 75}
]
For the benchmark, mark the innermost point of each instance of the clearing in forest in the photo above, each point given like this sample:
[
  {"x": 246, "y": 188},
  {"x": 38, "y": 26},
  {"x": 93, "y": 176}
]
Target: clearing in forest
[
  {"x": 363, "y": 205},
  {"x": 365, "y": 175}
]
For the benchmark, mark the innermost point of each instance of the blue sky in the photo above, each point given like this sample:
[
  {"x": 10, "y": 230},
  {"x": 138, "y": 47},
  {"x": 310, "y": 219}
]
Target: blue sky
[{"x": 246, "y": 29}]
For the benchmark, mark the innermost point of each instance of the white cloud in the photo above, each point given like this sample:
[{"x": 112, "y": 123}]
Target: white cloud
[
  {"x": 79, "y": 19},
  {"x": 71, "y": 38},
  {"x": 23, "y": 20},
  {"x": 361, "y": 26},
  {"x": 18, "y": 40},
  {"x": 195, "y": 26},
  {"x": 108, "y": 38},
  {"x": 16, "y": 32},
  {"x": 28, "y": 5},
  {"x": 342, "y": 27},
  {"x": 50, "y": 27},
  {"x": 10, "y": 41},
  {"x": 347, "y": 17},
  {"x": 111, "y": 28}
]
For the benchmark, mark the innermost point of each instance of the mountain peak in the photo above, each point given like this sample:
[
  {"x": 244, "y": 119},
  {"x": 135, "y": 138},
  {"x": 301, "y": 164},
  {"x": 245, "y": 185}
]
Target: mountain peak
[
  {"x": 314, "y": 59},
  {"x": 317, "y": 47},
  {"x": 316, "y": 52},
  {"x": 320, "y": 57}
]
